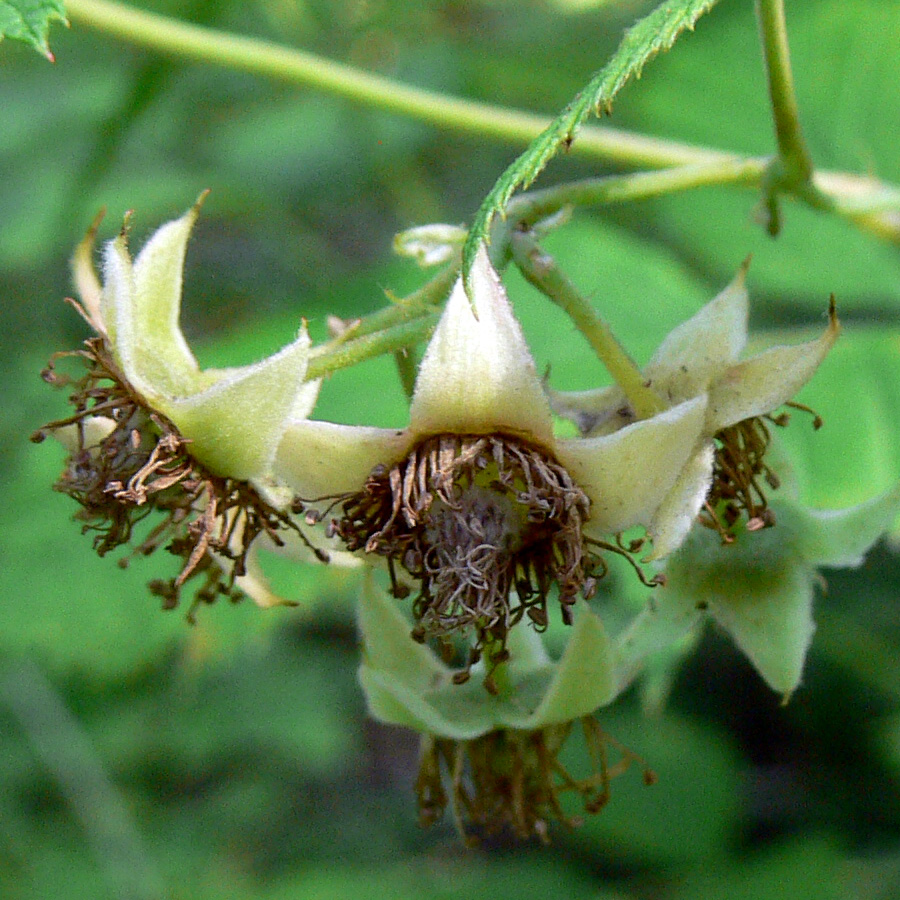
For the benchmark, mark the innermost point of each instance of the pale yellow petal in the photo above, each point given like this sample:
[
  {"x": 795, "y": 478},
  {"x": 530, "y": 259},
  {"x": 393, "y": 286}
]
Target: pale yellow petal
[
  {"x": 322, "y": 459},
  {"x": 585, "y": 678},
  {"x": 161, "y": 352},
  {"x": 478, "y": 375},
  {"x": 628, "y": 474},
  {"x": 87, "y": 282}
]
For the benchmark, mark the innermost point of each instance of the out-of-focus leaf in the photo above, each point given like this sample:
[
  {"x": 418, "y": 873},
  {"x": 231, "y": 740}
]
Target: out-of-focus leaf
[
  {"x": 657, "y": 31},
  {"x": 856, "y": 454},
  {"x": 29, "y": 21},
  {"x": 466, "y": 877},
  {"x": 697, "y": 786},
  {"x": 809, "y": 868}
]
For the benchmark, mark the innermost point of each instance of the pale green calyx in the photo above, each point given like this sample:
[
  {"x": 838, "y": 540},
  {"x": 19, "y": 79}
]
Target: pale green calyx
[
  {"x": 701, "y": 357},
  {"x": 489, "y": 515},
  {"x": 233, "y": 418},
  {"x": 478, "y": 378},
  {"x": 407, "y": 684},
  {"x": 759, "y": 590}
]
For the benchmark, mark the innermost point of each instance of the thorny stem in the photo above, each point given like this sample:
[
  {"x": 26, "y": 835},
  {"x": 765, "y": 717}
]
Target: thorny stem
[
  {"x": 872, "y": 205},
  {"x": 541, "y": 270}
]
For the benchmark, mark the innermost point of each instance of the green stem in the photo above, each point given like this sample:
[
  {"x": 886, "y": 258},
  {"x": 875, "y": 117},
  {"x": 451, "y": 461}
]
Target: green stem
[
  {"x": 541, "y": 270},
  {"x": 871, "y": 205},
  {"x": 792, "y": 149},
  {"x": 393, "y": 329},
  {"x": 530, "y": 207},
  {"x": 283, "y": 63},
  {"x": 340, "y": 354}
]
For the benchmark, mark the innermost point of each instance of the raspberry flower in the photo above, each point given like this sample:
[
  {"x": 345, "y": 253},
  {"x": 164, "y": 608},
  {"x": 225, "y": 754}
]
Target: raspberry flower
[
  {"x": 499, "y": 752},
  {"x": 152, "y": 430},
  {"x": 701, "y": 357},
  {"x": 477, "y": 503}
]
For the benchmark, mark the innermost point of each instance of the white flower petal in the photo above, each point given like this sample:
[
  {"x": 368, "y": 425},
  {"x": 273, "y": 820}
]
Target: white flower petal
[
  {"x": 627, "y": 474},
  {"x": 322, "y": 459},
  {"x": 87, "y": 433},
  {"x": 478, "y": 375}
]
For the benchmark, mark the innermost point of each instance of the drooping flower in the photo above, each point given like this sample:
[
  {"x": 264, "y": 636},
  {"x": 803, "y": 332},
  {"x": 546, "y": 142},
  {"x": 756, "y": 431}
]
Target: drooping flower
[
  {"x": 701, "y": 357},
  {"x": 761, "y": 590},
  {"x": 477, "y": 502},
  {"x": 497, "y": 752},
  {"x": 152, "y": 430}
]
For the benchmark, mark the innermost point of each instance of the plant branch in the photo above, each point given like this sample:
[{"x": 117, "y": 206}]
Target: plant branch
[
  {"x": 276, "y": 61},
  {"x": 792, "y": 149},
  {"x": 541, "y": 270},
  {"x": 393, "y": 329},
  {"x": 870, "y": 204}
]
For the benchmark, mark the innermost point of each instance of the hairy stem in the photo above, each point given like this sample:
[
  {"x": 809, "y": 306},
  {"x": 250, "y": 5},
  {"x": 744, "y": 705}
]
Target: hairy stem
[
  {"x": 532, "y": 206},
  {"x": 541, "y": 270},
  {"x": 870, "y": 204}
]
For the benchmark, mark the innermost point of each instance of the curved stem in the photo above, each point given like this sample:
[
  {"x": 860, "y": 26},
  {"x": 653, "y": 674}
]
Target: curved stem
[
  {"x": 528, "y": 208},
  {"x": 328, "y": 358},
  {"x": 870, "y": 204},
  {"x": 282, "y": 63}
]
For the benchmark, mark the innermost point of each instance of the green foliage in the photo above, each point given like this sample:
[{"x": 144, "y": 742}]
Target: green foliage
[
  {"x": 654, "y": 33},
  {"x": 29, "y": 21},
  {"x": 239, "y": 746}
]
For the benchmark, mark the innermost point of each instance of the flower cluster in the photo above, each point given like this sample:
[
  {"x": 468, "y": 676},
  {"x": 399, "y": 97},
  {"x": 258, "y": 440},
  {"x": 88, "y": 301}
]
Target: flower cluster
[{"x": 490, "y": 529}]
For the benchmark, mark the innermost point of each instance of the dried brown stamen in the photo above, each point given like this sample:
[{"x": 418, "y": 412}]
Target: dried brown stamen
[
  {"x": 739, "y": 468},
  {"x": 513, "y": 780},
  {"x": 487, "y": 525},
  {"x": 129, "y": 462}
]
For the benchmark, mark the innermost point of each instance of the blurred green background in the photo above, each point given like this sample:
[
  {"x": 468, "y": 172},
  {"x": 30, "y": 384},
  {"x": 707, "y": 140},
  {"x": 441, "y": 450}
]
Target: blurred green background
[{"x": 144, "y": 758}]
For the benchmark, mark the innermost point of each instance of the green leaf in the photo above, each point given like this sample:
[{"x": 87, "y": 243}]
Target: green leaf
[
  {"x": 655, "y": 32},
  {"x": 29, "y": 21}
]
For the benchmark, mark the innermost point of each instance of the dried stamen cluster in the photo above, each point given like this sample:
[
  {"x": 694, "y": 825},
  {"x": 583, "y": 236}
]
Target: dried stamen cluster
[
  {"x": 129, "y": 461},
  {"x": 738, "y": 467},
  {"x": 486, "y": 525},
  {"x": 513, "y": 780}
]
